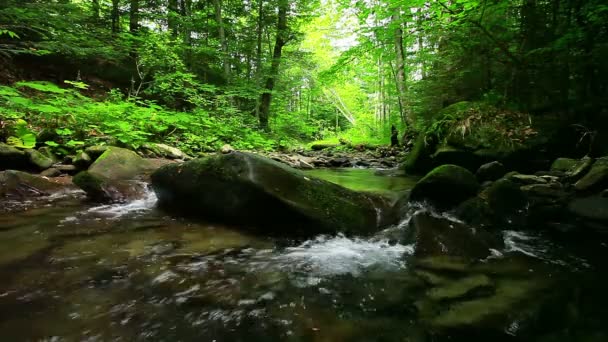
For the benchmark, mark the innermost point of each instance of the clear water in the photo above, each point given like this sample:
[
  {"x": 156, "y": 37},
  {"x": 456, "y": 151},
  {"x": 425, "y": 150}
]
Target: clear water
[
  {"x": 365, "y": 180},
  {"x": 76, "y": 272}
]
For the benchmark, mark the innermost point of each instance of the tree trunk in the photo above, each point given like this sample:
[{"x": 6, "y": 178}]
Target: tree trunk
[
  {"x": 400, "y": 72},
  {"x": 172, "y": 18},
  {"x": 96, "y": 10},
  {"x": 281, "y": 40},
  {"x": 217, "y": 4},
  {"x": 115, "y": 16},
  {"x": 134, "y": 16}
]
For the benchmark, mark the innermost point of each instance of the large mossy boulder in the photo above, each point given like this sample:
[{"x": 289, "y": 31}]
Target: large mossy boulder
[
  {"x": 469, "y": 134},
  {"x": 20, "y": 185},
  {"x": 445, "y": 187},
  {"x": 419, "y": 160},
  {"x": 120, "y": 163},
  {"x": 252, "y": 190},
  {"x": 115, "y": 176}
]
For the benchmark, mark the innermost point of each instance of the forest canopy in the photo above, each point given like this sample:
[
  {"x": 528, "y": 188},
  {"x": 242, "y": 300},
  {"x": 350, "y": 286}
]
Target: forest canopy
[{"x": 268, "y": 74}]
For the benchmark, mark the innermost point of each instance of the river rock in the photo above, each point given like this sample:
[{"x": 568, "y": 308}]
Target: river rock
[
  {"x": 490, "y": 171},
  {"x": 165, "y": 151},
  {"x": 596, "y": 179},
  {"x": 82, "y": 161},
  {"x": 436, "y": 236},
  {"x": 591, "y": 208},
  {"x": 114, "y": 176},
  {"x": 17, "y": 184},
  {"x": 13, "y": 158},
  {"x": 51, "y": 172},
  {"x": 38, "y": 160},
  {"x": 95, "y": 151},
  {"x": 451, "y": 155},
  {"x": 445, "y": 186},
  {"x": 249, "y": 189}
]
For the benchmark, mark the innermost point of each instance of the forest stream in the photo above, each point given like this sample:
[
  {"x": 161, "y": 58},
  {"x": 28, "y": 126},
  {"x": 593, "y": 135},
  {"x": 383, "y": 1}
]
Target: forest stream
[{"x": 127, "y": 272}]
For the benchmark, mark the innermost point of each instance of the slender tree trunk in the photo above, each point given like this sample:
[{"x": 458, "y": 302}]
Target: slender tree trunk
[
  {"x": 96, "y": 10},
  {"x": 217, "y": 4},
  {"x": 134, "y": 16},
  {"x": 172, "y": 18},
  {"x": 281, "y": 40},
  {"x": 400, "y": 72},
  {"x": 115, "y": 16}
]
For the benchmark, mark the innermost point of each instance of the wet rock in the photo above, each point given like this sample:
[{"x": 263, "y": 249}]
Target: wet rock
[
  {"x": 596, "y": 179},
  {"x": 526, "y": 179},
  {"x": 17, "y": 184},
  {"x": 69, "y": 169},
  {"x": 39, "y": 161},
  {"x": 475, "y": 211},
  {"x": 573, "y": 169},
  {"x": 505, "y": 198},
  {"x": 455, "y": 156},
  {"x": 51, "y": 172},
  {"x": 113, "y": 176},
  {"x": 82, "y": 161},
  {"x": 166, "y": 151},
  {"x": 419, "y": 161},
  {"x": 591, "y": 208},
  {"x": 435, "y": 236},
  {"x": 444, "y": 263},
  {"x": 460, "y": 288},
  {"x": 104, "y": 190},
  {"x": 490, "y": 171},
  {"x": 13, "y": 158},
  {"x": 479, "y": 311},
  {"x": 247, "y": 188},
  {"x": 446, "y": 186},
  {"x": 95, "y": 151}
]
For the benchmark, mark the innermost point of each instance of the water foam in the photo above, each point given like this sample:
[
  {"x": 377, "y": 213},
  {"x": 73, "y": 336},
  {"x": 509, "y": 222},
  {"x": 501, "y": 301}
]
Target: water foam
[
  {"x": 330, "y": 256},
  {"x": 143, "y": 204}
]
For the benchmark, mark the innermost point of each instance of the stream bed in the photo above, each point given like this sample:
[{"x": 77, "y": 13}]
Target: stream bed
[{"x": 72, "y": 271}]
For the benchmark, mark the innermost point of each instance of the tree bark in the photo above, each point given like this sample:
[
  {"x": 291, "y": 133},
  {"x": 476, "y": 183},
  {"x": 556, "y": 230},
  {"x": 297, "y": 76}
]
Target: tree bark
[
  {"x": 281, "y": 40},
  {"x": 115, "y": 16},
  {"x": 217, "y": 4},
  {"x": 96, "y": 10},
  {"x": 400, "y": 72},
  {"x": 134, "y": 16},
  {"x": 172, "y": 18}
]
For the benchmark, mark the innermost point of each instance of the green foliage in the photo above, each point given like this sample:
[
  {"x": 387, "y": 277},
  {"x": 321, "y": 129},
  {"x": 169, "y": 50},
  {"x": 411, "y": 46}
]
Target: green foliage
[
  {"x": 77, "y": 120},
  {"x": 23, "y": 137}
]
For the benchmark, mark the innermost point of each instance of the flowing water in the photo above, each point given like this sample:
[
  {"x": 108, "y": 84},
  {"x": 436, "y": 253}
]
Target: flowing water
[{"x": 70, "y": 271}]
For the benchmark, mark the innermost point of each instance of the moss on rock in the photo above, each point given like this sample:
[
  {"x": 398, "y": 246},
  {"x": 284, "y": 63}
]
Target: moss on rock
[
  {"x": 446, "y": 186},
  {"x": 247, "y": 188}
]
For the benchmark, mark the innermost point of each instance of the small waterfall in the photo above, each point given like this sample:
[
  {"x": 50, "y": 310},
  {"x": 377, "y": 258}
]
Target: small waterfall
[{"x": 146, "y": 203}]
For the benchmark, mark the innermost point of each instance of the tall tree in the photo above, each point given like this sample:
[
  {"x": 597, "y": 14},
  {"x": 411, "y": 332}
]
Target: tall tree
[
  {"x": 217, "y": 4},
  {"x": 115, "y": 16},
  {"x": 134, "y": 16},
  {"x": 280, "y": 41},
  {"x": 400, "y": 60}
]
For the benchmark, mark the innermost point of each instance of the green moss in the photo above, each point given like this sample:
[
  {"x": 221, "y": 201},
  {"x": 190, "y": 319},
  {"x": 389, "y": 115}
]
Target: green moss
[{"x": 446, "y": 186}]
